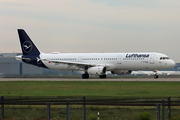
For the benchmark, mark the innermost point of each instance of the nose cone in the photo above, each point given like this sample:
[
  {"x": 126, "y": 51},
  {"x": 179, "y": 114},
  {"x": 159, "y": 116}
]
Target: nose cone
[{"x": 172, "y": 63}]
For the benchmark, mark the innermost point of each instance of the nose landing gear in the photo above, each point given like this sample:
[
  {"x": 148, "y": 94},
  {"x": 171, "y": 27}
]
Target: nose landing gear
[{"x": 155, "y": 75}]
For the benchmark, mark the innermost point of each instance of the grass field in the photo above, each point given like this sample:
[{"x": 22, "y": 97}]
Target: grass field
[
  {"x": 87, "y": 88},
  {"x": 106, "y": 113},
  {"x": 93, "y": 88}
]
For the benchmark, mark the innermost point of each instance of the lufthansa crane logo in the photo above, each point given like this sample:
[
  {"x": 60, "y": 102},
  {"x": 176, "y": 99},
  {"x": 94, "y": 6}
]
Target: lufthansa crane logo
[{"x": 27, "y": 46}]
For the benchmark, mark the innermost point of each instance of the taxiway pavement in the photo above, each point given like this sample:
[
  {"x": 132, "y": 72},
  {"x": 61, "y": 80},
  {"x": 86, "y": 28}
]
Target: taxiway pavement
[{"x": 75, "y": 79}]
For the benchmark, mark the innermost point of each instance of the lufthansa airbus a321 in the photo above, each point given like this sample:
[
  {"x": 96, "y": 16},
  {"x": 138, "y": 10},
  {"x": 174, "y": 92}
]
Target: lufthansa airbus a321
[{"x": 92, "y": 63}]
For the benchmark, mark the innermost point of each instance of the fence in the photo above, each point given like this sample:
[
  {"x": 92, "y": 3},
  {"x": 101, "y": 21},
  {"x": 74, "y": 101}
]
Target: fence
[{"x": 108, "y": 101}]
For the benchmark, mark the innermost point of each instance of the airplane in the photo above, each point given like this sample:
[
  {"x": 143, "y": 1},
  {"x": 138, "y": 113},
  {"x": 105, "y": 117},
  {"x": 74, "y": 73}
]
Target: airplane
[{"x": 92, "y": 63}]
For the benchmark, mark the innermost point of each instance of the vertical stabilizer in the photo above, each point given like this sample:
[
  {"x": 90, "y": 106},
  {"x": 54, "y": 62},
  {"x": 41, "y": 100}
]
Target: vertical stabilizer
[{"x": 27, "y": 46}]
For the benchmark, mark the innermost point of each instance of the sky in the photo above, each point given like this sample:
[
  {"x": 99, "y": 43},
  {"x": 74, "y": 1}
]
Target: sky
[{"x": 93, "y": 26}]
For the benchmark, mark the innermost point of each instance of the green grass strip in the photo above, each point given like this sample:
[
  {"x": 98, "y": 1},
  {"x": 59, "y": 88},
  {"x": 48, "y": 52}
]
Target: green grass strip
[{"x": 90, "y": 88}]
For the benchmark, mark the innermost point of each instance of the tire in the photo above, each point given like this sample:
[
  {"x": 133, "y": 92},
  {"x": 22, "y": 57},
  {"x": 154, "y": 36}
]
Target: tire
[
  {"x": 102, "y": 76},
  {"x": 155, "y": 76},
  {"x": 85, "y": 76}
]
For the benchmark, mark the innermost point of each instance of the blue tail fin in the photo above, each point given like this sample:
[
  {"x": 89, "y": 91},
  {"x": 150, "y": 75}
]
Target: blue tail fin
[{"x": 27, "y": 46}]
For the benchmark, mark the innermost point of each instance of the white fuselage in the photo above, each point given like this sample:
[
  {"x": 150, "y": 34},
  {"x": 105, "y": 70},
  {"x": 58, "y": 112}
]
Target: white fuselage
[{"x": 113, "y": 61}]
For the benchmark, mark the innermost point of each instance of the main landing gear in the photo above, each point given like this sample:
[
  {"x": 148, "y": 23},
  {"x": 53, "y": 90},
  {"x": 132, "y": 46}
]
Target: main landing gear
[
  {"x": 102, "y": 76},
  {"x": 85, "y": 76}
]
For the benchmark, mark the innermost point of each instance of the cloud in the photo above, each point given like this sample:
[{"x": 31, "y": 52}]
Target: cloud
[
  {"x": 94, "y": 12},
  {"x": 92, "y": 26},
  {"x": 137, "y": 3}
]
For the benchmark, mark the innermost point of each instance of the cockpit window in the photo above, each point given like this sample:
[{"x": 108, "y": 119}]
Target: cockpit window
[{"x": 163, "y": 58}]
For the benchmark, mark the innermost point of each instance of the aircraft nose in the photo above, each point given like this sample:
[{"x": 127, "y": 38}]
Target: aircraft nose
[{"x": 172, "y": 63}]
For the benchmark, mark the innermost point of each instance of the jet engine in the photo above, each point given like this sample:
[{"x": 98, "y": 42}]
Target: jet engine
[
  {"x": 97, "y": 70},
  {"x": 122, "y": 72}
]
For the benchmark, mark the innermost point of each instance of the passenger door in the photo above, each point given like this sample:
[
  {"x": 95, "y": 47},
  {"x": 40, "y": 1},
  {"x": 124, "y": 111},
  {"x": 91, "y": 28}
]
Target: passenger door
[
  {"x": 119, "y": 60},
  {"x": 80, "y": 59},
  {"x": 152, "y": 58}
]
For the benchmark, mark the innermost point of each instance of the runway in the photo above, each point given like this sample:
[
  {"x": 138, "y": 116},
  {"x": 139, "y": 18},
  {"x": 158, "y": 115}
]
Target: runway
[{"x": 75, "y": 79}]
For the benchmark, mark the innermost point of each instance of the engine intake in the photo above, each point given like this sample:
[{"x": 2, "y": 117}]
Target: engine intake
[{"x": 97, "y": 70}]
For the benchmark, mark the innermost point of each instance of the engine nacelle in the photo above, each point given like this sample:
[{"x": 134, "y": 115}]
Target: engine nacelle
[
  {"x": 97, "y": 70},
  {"x": 122, "y": 72}
]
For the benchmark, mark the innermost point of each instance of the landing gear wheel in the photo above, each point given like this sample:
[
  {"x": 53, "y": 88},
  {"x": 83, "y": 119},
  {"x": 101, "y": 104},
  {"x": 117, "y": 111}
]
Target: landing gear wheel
[
  {"x": 85, "y": 76},
  {"x": 155, "y": 76},
  {"x": 102, "y": 76}
]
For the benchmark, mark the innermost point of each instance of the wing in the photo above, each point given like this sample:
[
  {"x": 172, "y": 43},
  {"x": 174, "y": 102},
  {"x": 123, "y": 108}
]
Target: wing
[{"x": 78, "y": 64}]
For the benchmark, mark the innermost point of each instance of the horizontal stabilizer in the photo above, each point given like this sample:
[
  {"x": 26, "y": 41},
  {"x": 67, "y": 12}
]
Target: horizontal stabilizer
[{"x": 18, "y": 57}]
